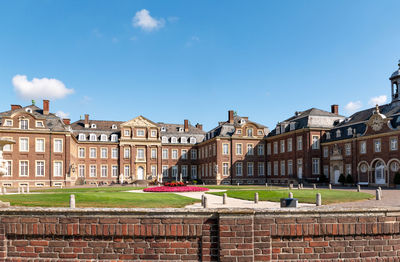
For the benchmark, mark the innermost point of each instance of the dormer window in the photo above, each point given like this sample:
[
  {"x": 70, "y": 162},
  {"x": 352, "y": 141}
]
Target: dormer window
[
  {"x": 183, "y": 140},
  {"x": 93, "y": 126},
  {"x": 260, "y": 132},
  {"x": 242, "y": 121},
  {"x": 8, "y": 122},
  {"x": 127, "y": 132},
  {"x": 278, "y": 130},
  {"x": 250, "y": 132},
  {"x": 24, "y": 124},
  {"x": 292, "y": 126},
  {"x": 328, "y": 135},
  {"x": 153, "y": 133},
  {"x": 29, "y": 110},
  {"x": 192, "y": 140},
  {"x": 239, "y": 131},
  {"x": 39, "y": 124},
  {"x": 349, "y": 131},
  {"x": 164, "y": 139},
  {"x": 92, "y": 137},
  {"x": 140, "y": 132},
  {"x": 114, "y": 138},
  {"x": 103, "y": 138},
  {"x": 338, "y": 133},
  {"x": 114, "y": 126},
  {"x": 174, "y": 140},
  {"x": 81, "y": 137},
  {"x": 180, "y": 129},
  {"x": 163, "y": 129}
]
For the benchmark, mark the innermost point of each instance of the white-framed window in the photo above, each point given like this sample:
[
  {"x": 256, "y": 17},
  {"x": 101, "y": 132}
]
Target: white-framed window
[
  {"x": 39, "y": 124},
  {"x": 299, "y": 166},
  {"x": 363, "y": 147},
  {"x": 269, "y": 149},
  {"x": 315, "y": 166},
  {"x": 193, "y": 154},
  {"x": 250, "y": 169},
  {"x": 58, "y": 145},
  {"x": 104, "y": 153},
  {"x": 165, "y": 154},
  {"x": 239, "y": 169},
  {"x": 81, "y": 170},
  {"x": 225, "y": 149},
  {"x": 282, "y": 142},
  {"x": 250, "y": 132},
  {"x": 276, "y": 168},
  {"x": 164, "y": 139},
  {"x": 81, "y": 152},
  {"x": 394, "y": 166},
  {"x": 8, "y": 122},
  {"x": 238, "y": 149},
  {"x": 348, "y": 169},
  {"x": 127, "y": 170},
  {"x": 140, "y": 153},
  {"x": 261, "y": 169},
  {"x": 250, "y": 149},
  {"x": 140, "y": 132},
  {"x": 260, "y": 150},
  {"x": 114, "y": 171},
  {"x": 92, "y": 137},
  {"x": 289, "y": 145},
  {"x": 175, "y": 172},
  {"x": 184, "y": 171},
  {"x": 325, "y": 151},
  {"x": 290, "y": 167},
  {"x": 174, "y": 154},
  {"x": 114, "y": 153},
  {"x": 193, "y": 172},
  {"x": 57, "y": 168},
  {"x": 93, "y": 152},
  {"x": 214, "y": 149},
  {"x": 114, "y": 126},
  {"x": 104, "y": 171},
  {"x": 328, "y": 135},
  {"x": 103, "y": 138},
  {"x": 174, "y": 140},
  {"x": 39, "y": 145},
  {"x": 154, "y": 153},
  {"x": 275, "y": 147},
  {"x": 183, "y": 140},
  {"x": 24, "y": 124},
  {"x": 315, "y": 142},
  {"x": 153, "y": 133},
  {"x": 292, "y": 126},
  {"x": 260, "y": 132},
  {"x": 338, "y": 133},
  {"x": 24, "y": 144},
  {"x": 82, "y": 137},
  {"x": 39, "y": 168},
  {"x": 23, "y": 168},
  {"x": 225, "y": 169},
  {"x": 184, "y": 153},
  {"x": 349, "y": 131},
  {"x": 114, "y": 138},
  {"x": 127, "y": 152},
  {"x": 347, "y": 148},
  {"x": 239, "y": 131},
  {"x": 299, "y": 143},
  {"x": 165, "y": 171},
  {"x": 9, "y": 168},
  {"x": 163, "y": 129},
  {"x": 283, "y": 169},
  {"x": 377, "y": 145},
  {"x": 8, "y": 147},
  {"x": 269, "y": 169},
  {"x": 127, "y": 132},
  {"x": 393, "y": 143},
  {"x": 93, "y": 171},
  {"x": 93, "y": 126}
]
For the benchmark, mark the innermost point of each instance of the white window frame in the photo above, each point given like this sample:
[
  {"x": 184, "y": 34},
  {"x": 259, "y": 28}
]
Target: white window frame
[
  {"x": 275, "y": 147},
  {"x": 26, "y": 168},
  {"x": 316, "y": 166},
  {"x": 37, "y": 144},
  {"x": 250, "y": 149},
  {"x": 283, "y": 168},
  {"x": 164, "y": 153},
  {"x": 81, "y": 170},
  {"x": 394, "y": 144},
  {"x": 43, "y": 170},
  {"x": 57, "y": 164},
  {"x": 377, "y": 146},
  {"x": 140, "y": 154},
  {"x": 315, "y": 142},
  {"x": 299, "y": 143},
  {"x": 184, "y": 153},
  {"x": 282, "y": 146},
  {"x": 8, "y": 122},
  {"x": 114, "y": 153},
  {"x": 102, "y": 155},
  {"x": 250, "y": 169},
  {"x": 39, "y": 124},
  {"x": 80, "y": 150},
  {"x": 363, "y": 147},
  {"x": 174, "y": 154},
  {"x": 114, "y": 171},
  {"x": 82, "y": 137},
  {"x": 193, "y": 154},
  {"x": 140, "y": 132},
  {"x": 91, "y": 169},
  {"x": 260, "y": 150},
  {"x": 261, "y": 169},
  {"x": 91, "y": 151},
  {"x": 347, "y": 149},
  {"x": 21, "y": 126},
  {"x": 58, "y": 145},
  {"x": 239, "y": 168},
  {"x": 104, "y": 171},
  {"x": 289, "y": 144},
  {"x": 127, "y": 152},
  {"x": 21, "y": 149}
]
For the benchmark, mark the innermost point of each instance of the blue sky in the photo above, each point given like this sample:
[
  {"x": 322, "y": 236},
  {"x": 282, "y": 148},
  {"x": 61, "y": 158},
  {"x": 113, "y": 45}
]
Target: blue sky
[{"x": 175, "y": 60}]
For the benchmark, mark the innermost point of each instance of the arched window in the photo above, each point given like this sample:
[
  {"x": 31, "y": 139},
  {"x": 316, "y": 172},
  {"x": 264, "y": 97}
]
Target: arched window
[
  {"x": 164, "y": 139},
  {"x": 114, "y": 138},
  {"x": 192, "y": 140},
  {"x": 338, "y": 133},
  {"x": 93, "y": 126},
  {"x": 103, "y": 138},
  {"x": 183, "y": 140},
  {"x": 379, "y": 171},
  {"x": 328, "y": 135},
  {"x": 174, "y": 140},
  {"x": 349, "y": 131},
  {"x": 250, "y": 132},
  {"x": 82, "y": 137},
  {"x": 93, "y": 137},
  {"x": 394, "y": 166}
]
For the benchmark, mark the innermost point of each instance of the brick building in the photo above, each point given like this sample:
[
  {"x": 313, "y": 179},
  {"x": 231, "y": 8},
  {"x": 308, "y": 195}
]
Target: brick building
[{"x": 51, "y": 151}]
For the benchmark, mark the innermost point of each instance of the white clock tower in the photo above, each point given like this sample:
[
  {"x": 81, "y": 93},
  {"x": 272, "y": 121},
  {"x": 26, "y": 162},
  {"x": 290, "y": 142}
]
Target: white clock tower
[{"x": 395, "y": 80}]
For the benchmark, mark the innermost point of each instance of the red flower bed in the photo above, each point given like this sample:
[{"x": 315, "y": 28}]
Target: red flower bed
[
  {"x": 175, "y": 189},
  {"x": 174, "y": 184}
]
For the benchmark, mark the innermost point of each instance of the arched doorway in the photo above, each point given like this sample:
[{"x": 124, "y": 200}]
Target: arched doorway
[
  {"x": 380, "y": 173},
  {"x": 336, "y": 173},
  {"x": 140, "y": 173}
]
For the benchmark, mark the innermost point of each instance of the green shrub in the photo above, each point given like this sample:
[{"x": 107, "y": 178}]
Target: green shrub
[
  {"x": 349, "y": 179},
  {"x": 397, "y": 178},
  {"x": 342, "y": 179}
]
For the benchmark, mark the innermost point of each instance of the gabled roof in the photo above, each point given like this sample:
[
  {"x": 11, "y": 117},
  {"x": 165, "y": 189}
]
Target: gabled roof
[{"x": 140, "y": 121}]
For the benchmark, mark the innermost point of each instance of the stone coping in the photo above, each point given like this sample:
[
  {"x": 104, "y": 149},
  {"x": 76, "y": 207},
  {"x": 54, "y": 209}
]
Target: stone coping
[{"x": 190, "y": 212}]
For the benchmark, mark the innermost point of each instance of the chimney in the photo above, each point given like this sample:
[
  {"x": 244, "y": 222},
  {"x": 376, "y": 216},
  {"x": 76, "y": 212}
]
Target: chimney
[
  {"x": 230, "y": 116},
  {"x": 186, "y": 125},
  {"x": 335, "y": 109},
  {"x": 46, "y": 106},
  {"x": 67, "y": 121},
  {"x": 15, "y": 107},
  {"x": 86, "y": 121},
  {"x": 199, "y": 126}
]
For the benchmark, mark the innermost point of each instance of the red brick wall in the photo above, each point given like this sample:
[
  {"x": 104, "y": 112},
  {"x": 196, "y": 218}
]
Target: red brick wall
[{"x": 203, "y": 235}]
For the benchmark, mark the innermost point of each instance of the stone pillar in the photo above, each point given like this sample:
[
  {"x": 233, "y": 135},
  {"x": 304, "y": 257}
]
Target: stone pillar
[
  {"x": 314, "y": 186},
  {"x": 205, "y": 202},
  {"x": 318, "y": 200},
  {"x": 290, "y": 195},
  {"x": 378, "y": 194},
  {"x": 256, "y": 198},
  {"x": 358, "y": 188},
  {"x": 330, "y": 186},
  {"x": 224, "y": 199},
  {"x": 72, "y": 201}
]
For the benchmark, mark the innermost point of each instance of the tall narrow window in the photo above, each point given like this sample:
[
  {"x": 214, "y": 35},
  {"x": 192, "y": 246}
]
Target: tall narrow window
[
  {"x": 250, "y": 169},
  {"x": 58, "y": 145},
  {"x": 260, "y": 150},
  {"x": 39, "y": 168},
  {"x": 40, "y": 145},
  {"x": 250, "y": 150},
  {"x": 238, "y": 149},
  {"x": 57, "y": 168},
  {"x": 23, "y": 168},
  {"x": 239, "y": 169},
  {"x": 23, "y": 144},
  {"x": 261, "y": 171},
  {"x": 299, "y": 143},
  {"x": 315, "y": 142}
]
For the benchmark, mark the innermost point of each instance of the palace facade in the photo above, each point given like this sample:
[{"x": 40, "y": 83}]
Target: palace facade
[{"x": 311, "y": 145}]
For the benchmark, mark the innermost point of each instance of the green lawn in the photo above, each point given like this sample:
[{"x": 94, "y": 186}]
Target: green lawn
[
  {"x": 89, "y": 189},
  {"x": 304, "y": 196},
  {"x": 102, "y": 199}
]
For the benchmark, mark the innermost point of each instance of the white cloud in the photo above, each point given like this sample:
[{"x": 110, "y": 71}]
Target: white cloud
[
  {"x": 378, "y": 100},
  {"x": 146, "y": 22},
  {"x": 62, "y": 114},
  {"x": 43, "y": 88},
  {"x": 352, "y": 107}
]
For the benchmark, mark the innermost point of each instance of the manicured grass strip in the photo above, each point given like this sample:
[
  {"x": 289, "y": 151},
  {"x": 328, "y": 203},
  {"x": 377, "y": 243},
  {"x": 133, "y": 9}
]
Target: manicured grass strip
[
  {"x": 89, "y": 189},
  {"x": 112, "y": 200},
  {"x": 304, "y": 196}
]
